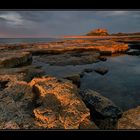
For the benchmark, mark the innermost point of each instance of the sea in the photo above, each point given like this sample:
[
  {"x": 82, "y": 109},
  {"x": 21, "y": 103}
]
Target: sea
[
  {"x": 27, "y": 40},
  {"x": 121, "y": 84}
]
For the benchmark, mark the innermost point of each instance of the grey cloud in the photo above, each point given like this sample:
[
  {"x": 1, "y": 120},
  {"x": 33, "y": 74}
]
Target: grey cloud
[{"x": 45, "y": 23}]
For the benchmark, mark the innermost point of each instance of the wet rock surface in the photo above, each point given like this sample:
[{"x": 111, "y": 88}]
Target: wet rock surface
[
  {"x": 76, "y": 58},
  {"x": 103, "y": 111},
  {"x": 101, "y": 70}
]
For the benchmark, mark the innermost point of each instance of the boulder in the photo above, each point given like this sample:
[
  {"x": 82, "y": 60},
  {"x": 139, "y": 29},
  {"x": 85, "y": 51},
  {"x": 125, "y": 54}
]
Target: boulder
[
  {"x": 130, "y": 119},
  {"x": 12, "y": 59},
  {"x": 101, "y": 70},
  {"x": 104, "y": 112},
  {"x": 60, "y": 106}
]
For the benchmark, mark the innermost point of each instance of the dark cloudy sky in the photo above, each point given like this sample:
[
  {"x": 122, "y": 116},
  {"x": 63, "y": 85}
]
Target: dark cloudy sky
[{"x": 53, "y": 23}]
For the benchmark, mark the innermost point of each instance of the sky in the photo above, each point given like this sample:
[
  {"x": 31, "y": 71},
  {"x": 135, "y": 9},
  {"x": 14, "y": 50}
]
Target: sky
[{"x": 20, "y": 24}]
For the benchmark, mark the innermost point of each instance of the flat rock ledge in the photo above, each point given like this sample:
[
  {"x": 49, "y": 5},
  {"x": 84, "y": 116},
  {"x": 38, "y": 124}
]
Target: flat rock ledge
[{"x": 13, "y": 59}]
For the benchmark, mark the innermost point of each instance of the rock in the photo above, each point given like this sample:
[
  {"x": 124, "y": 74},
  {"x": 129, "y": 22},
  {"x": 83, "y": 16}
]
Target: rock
[
  {"x": 106, "y": 47},
  {"x": 98, "y": 32},
  {"x": 133, "y": 52},
  {"x": 60, "y": 106},
  {"x": 102, "y": 58},
  {"x": 130, "y": 119},
  {"x": 70, "y": 58},
  {"x": 88, "y": 70},
  {"x": 10, "y": 125},
  {"x": 16, "y": 105},
  {"x": 75, "y": 78},
  {"x": 13, "y": 59},
  {"x": 103, "y": 111},
  {"x": 88, "y": 124},
  {"x": 26, "y": 73},
  {"x": 3, "y": 84},
  {"x": 101, "y": 71}
]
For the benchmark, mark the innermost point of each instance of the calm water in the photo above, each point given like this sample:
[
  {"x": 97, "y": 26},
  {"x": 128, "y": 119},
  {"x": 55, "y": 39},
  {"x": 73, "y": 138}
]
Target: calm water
[
  {"x": 26, "y": 40},
  {"x": 31, "y": 40},
  {"x": 121, "y": 84}
]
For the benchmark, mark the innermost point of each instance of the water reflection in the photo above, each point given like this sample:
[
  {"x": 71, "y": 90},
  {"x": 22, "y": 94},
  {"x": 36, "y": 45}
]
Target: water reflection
[{"x": 121, "y": 84}]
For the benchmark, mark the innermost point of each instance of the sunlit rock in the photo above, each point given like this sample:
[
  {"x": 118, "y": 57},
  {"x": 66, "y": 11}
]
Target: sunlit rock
[{"x": 59, "y": 104}]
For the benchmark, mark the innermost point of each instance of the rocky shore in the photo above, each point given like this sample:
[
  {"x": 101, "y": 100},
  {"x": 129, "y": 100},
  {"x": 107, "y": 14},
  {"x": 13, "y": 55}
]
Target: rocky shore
[{"x": 31, "y": 100}]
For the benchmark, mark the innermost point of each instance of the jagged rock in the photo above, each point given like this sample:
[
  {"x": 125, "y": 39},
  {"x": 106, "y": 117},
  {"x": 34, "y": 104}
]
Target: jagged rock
[
  {"x": 13, "y": 59},
  {"x": 103, "y": 111},
  {"x": 101, "y": 70},
  {"x": 130, "y": 119},
  {"x": 60, "y": 106}
]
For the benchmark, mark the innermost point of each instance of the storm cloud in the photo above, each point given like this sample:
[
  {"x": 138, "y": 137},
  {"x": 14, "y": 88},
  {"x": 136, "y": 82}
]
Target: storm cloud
[{"x": 55, "y": 23}]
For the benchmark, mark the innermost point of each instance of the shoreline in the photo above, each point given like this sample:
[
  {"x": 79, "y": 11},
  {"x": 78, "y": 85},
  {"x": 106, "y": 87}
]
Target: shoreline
[{"x": 40, "y": 95}]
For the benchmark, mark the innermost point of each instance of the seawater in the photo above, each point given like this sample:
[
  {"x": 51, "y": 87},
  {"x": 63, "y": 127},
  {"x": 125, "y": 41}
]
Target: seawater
[
  {"x": 27, "y": 40},
  {"x": 121, "y": 84}
]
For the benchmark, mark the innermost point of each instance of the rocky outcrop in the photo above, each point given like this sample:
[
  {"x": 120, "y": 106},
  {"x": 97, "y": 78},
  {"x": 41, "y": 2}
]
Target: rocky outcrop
[
  {"x": 59, "y": 104},
  {"x": 130, "y": 119},
  {"x": 77, "y": 58},
  {"x": 14, "y": 59},
  {"x": 26, "y": 73},
  {"x": 103, "y": 111},
  {"x": 44, "y": 103},
  {"x": 101, "y": 70},
  {"x": 98, "y": 32},
  {"x": 106, "y": 47}
]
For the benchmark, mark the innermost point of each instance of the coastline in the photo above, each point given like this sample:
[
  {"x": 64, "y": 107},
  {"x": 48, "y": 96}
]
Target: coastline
[{"x": 40, "y": 95}]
